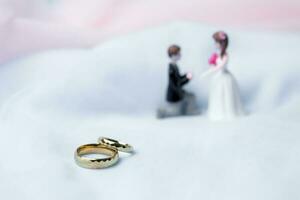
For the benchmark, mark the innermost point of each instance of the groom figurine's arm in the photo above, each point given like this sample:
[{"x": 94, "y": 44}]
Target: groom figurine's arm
[
  {"x": 177, "y": 79},
  {"x": 184, "y": 80},
  {"x": 181, "y": 79}
]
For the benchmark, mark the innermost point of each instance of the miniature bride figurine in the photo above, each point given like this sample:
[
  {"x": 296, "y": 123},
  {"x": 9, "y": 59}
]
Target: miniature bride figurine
[{"x": 224, "y": 98}]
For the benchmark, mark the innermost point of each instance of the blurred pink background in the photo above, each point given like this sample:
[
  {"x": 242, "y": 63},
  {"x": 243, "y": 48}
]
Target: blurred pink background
[{"x": 28, "y": 26}]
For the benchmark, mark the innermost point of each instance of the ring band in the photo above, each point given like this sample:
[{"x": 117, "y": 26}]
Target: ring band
[
  {"x": 96, "y": 163},
  {"x": 120, "y": 146}
]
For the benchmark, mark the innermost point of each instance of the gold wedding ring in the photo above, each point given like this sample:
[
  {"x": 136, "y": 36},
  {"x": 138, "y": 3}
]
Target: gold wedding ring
[
  {"x": 120, "y": 146},
  {"x": 96, "y": 163},
  {"x": 106, "y": 146}
]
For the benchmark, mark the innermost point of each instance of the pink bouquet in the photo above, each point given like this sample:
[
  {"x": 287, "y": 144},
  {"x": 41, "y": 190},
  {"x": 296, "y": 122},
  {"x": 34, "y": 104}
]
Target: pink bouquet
[{"x": 213, "y": 59}]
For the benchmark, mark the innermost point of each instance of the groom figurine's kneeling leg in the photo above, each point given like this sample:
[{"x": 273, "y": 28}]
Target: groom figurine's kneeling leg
[{"x": 189, "y": 106}]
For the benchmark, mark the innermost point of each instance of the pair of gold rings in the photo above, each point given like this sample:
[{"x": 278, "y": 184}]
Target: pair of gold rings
[{"x": 105, "y": 146}]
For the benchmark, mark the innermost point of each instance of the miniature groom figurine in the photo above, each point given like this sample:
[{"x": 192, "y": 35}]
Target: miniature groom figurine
[
  {"x": 175, "y": 91},
  {"x": 179, "y": 102}
]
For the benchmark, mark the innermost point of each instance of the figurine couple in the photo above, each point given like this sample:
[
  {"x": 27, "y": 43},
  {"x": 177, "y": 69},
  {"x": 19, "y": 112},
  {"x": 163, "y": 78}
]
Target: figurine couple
[{"x": 224, "y": 98}]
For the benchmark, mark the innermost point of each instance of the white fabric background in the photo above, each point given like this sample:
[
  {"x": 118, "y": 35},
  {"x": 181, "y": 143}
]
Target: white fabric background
[{"x": 54, "y": 101}]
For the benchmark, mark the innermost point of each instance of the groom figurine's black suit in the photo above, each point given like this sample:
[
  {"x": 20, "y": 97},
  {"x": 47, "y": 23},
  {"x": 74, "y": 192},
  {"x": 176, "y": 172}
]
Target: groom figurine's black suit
[{"x": 175, "y": 91}]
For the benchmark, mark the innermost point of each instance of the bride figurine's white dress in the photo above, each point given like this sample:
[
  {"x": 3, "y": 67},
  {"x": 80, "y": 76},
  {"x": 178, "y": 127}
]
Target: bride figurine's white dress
[{"x": 224, "y": 97}]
